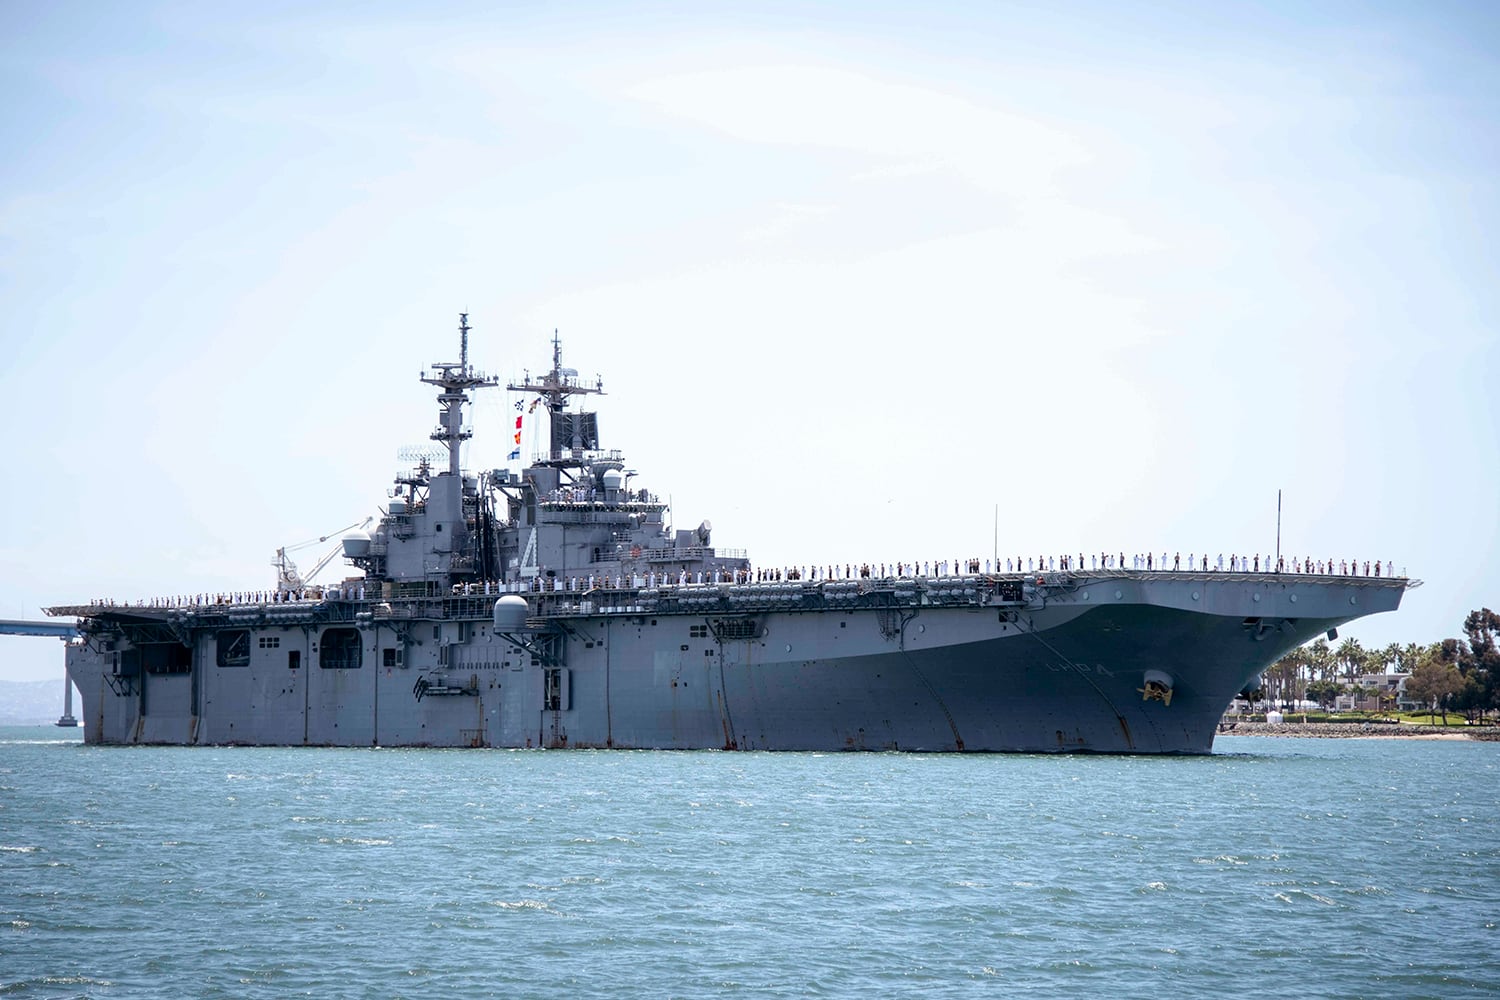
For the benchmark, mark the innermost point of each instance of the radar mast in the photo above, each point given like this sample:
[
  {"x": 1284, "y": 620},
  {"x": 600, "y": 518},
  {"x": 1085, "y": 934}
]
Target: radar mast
[
  {"x": 554, "y": 388},
  {"x": 455, "y": 379}
]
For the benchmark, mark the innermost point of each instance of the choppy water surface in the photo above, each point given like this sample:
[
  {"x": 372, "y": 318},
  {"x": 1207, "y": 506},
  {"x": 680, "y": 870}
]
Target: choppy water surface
[{"x": 1274, "y": 867}]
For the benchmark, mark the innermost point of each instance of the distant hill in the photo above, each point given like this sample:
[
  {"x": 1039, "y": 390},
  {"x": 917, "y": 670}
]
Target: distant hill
[{"x": 28, "y": 703}]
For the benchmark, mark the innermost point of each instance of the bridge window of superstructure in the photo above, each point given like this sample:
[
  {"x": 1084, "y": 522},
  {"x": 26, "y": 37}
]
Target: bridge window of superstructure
[
  {"x": 340, "y": 649},
  {"x": 233, "y": 648}
]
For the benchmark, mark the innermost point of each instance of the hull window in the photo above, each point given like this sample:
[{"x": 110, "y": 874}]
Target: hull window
[
  {"x": 736, "y": 628},
  {"x": 233, "y": 648},
  {"x": 167, "y": 658},
  {"x": 339, "y": 649}
]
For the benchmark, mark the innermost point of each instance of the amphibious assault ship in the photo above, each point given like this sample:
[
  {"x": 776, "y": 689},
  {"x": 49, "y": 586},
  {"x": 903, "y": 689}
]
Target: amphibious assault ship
[{"x": 555, "y": 608}]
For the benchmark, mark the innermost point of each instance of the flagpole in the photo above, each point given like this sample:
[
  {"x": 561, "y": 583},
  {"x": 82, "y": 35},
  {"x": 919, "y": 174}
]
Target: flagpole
[{"x": 1278, "y": 527}]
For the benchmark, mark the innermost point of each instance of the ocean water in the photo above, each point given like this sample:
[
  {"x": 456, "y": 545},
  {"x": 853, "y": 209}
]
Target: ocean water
[{"x": 1273, "y": 868}]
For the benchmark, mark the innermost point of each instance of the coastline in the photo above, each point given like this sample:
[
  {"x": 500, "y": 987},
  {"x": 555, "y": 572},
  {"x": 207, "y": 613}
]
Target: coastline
[{"x": 1365, "y": 731}]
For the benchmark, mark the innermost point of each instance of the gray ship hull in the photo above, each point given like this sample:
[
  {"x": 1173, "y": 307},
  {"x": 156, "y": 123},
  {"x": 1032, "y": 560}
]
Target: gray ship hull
[{"x": 1121, "y": 662}]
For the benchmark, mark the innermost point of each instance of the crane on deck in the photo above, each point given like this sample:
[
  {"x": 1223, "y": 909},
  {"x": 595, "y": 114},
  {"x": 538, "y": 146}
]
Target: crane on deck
[{"x": 289, "y": 579}]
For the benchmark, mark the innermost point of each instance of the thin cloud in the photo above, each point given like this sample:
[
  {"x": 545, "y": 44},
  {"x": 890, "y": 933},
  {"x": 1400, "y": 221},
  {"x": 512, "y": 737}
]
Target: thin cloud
[{"x": 840, "y": 109}]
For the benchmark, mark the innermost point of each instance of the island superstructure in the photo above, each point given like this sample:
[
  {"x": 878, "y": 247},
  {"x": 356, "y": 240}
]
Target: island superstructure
[{"x": 555, "y": 607}]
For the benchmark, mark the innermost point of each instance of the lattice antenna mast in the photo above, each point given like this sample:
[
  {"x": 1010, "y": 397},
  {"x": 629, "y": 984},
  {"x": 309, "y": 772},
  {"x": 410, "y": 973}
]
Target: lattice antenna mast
[
  {"x": 555, "y": 387},
  {"x": 454, "y": 380}
]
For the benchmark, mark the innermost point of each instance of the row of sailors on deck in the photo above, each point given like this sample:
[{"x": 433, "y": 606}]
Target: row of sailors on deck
[
  {"x": 848, "y": 571},
  {"x": 1097, "y": 561},
  {"x": 587, "y": 494},
  {"x": 904, "y": 570},
  {"x": 1253, "y": 564},
  {"x": 352, "y": 592}
]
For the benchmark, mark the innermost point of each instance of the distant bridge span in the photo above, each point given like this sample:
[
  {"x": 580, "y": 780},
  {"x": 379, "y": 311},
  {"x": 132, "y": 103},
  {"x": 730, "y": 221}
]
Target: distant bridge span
[{"x": 17, "y": 626}]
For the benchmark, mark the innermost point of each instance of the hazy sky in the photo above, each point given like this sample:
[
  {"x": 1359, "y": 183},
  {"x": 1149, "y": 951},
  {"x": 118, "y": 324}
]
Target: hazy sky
[{"x": 857, "y": 277}]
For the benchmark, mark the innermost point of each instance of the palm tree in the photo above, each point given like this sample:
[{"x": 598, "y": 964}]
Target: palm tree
[
  {"x": 1351, "y": 656},
  {"x": 1383, "y": 661},
  {"x": 1281, "y": 677}
]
